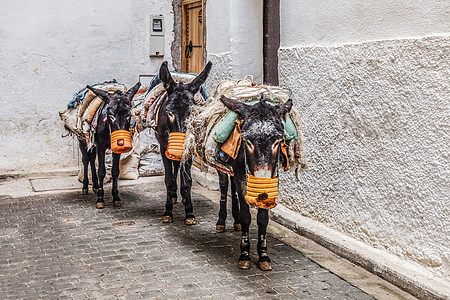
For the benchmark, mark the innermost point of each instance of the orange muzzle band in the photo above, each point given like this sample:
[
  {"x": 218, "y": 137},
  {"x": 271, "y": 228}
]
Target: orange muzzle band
[
  {"x": 262, "y": 192},
  {"x": 175, "y": 145},
  {"x": 121, "y": 141}
]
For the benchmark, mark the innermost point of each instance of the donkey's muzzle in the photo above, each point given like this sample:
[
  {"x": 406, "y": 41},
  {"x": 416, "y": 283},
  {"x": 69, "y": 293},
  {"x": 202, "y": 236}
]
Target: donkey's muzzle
[
  {"x": 175, "y": 145},
  {"x": 121, "y": 141},
  {"x": 262, "y": 192}
]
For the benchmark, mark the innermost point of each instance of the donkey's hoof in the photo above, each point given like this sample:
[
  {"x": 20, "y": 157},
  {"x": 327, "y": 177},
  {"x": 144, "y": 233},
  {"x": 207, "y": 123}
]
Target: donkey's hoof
[
  {"x": 174, "y": 200},
  {"x": 117, "y": 203},
  {"x": 95, "y": 190},
  {"x": 167, "y": 219},
  {"x": 265, "y": 265},
  {"x": 220, "y": 228},
  {"x": 237, "y": 227},
  {"x": 100, "y": 205},
  {"x": 189, "y": 221},
  {"x": 244, "y": 264},
  {"x": 84, "y": 191}
]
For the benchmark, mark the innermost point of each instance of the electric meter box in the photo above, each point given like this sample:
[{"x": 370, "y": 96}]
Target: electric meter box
[{"x": 156, "y": 35}]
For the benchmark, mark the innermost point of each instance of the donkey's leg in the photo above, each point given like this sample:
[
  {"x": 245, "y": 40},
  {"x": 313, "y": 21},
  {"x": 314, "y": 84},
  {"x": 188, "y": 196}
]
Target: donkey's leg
[
  {"x": 235, "y": 205},
  {"x": 85, "y": 160},
  {"x": 173, "y": 189},
  {"x": 263, "y": 220},
  {"x": 168, "y": 180},
  {"x": 186, "y": 186},
  {"x": 223, "y": 183},
  {"x": 101, "y": 176},
  {"x": 244, "y": 261},
  {"x": 92, "y": 155},
  {"x": 115, "y": 176}
]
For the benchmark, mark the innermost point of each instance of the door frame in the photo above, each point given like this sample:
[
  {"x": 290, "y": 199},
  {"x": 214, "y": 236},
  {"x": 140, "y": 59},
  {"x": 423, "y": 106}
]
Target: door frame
[
  {"x": 271, "y": 40},
  {"x": 183, "y": 31}
]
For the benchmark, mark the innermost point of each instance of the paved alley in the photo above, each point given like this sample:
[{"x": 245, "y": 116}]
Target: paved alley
[{"x": 58, "y": 246}]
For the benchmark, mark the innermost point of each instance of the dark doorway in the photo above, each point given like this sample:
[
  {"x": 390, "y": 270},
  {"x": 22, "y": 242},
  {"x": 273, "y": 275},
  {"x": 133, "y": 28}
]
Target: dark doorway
[{"x": 271, "y": 40}]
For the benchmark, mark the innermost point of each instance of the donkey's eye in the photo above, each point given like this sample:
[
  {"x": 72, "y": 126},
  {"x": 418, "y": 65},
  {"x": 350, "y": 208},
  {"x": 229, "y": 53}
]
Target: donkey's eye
[
  {"x": 250, "y": 145},
  {"x": 171, "y": 116},
  {"x": 275, "y": 145}
]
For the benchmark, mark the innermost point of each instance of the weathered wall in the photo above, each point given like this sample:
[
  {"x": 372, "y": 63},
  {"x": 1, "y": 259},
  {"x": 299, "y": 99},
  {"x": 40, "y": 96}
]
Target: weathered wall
[
  {"x": 49, "y": 50},
  {"x": 375, "y": 116},
  {"x": 234, "y": 40},
  {"x": 306, "y": 22}
]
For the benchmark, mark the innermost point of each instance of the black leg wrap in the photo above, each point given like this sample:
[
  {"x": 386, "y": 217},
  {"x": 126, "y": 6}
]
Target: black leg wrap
[
  {"x": 115, "y": 194},
  {"x": 100, "y": 195},
  {"x": 264, "y": 263},
  {"x": 245, "y": 247},
  {"x": 262, "y": 246},
  {"x": 100, "y": 202},
  {"x": 244, "y": 261}
]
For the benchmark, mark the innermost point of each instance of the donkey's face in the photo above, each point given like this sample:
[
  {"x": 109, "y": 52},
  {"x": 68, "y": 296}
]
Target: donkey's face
[
  {"x": 262, "y": 133},
  {"x": 180, "y": 97},
  {"x": 119, "y": 106}
]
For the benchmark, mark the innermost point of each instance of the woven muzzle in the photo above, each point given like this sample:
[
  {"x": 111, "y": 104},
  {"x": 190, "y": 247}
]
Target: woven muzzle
[
  {"x": 175, "y": 145},
  {"x": 121, "y": 141},
  {"x": 262, "y": 192}
]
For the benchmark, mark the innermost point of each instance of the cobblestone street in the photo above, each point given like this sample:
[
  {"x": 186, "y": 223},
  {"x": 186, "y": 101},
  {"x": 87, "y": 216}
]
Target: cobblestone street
[{"x": 58, "y": 246}]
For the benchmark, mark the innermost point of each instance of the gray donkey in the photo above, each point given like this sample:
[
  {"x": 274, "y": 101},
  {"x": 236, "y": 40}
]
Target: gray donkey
[
  {"x": 114, "y": 121},
  {"x": 262, "y": 134}
]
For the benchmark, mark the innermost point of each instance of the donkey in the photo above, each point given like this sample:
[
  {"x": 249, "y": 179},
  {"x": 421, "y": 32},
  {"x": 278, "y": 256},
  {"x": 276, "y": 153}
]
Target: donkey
[
  {"x": 262, "y": 133},
  {"x": 115, "y": 119},
  {"x": 169, "y": 131}
]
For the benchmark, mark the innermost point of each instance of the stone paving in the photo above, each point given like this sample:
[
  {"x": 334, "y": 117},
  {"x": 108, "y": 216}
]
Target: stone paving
[{"x": 59, "y": 246}]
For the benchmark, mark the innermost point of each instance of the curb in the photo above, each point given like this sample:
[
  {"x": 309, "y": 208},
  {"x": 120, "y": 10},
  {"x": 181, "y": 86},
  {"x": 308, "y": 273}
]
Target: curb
[
  {"x": 406, "y": 275},
  {"x": 18, "y": 175}
]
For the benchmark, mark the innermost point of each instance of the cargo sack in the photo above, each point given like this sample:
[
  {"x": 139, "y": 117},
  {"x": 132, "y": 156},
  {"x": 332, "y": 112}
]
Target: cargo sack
[
  {"x": 226, "y": 125},
  {"x": 80, "y": 111},
  {"x": 129, "y": 165},
  {"x": 233, "y": 143},
  {"x": 150, "y": 163},
  {"x": 209, "y": 127}
]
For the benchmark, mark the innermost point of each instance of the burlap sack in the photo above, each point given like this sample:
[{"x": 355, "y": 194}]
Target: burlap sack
[
  {"x": 92, "y": 109},
  {"x": 129, "y": 165}
]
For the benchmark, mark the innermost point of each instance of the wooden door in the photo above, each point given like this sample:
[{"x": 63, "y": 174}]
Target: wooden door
[{"x": 192, "y": 36}]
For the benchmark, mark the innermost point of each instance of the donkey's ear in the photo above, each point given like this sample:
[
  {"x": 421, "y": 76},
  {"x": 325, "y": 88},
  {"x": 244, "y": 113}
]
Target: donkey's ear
[
  {"x": 195, "y": 84},
  {"x": 101, "y": 93},
  {"x": 234, "y": 105},
  {"x": 165, "y": 77},
  {"x": 284, "y": 108},
  {"x": 131, "y": 92}
]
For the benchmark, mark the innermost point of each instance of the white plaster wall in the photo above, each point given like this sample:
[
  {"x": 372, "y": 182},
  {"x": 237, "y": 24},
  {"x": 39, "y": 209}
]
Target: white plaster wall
[
  {"x": 50, "y": 49},
  {"x": 305, "y": 22},
  {"x": 376, "y": 122},
  {"x": 234, "y": 41},
  {"x": 371, "y": 80}
]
